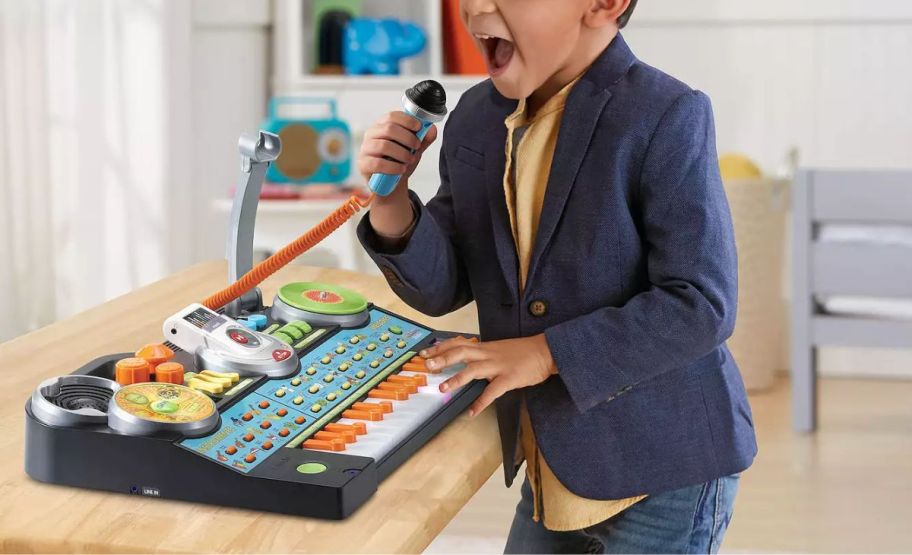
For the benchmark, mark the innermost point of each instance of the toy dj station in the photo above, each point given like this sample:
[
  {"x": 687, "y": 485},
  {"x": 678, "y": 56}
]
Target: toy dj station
[{"x": 301, "y": 408}]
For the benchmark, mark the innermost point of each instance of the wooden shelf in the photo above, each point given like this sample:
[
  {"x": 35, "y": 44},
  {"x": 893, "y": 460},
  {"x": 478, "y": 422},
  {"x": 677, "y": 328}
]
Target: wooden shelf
[{"x": 293, "y": 40}]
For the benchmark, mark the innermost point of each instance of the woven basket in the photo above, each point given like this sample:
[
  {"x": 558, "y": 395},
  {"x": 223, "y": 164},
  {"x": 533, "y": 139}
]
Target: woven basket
[{"x": 759, "y": 344}]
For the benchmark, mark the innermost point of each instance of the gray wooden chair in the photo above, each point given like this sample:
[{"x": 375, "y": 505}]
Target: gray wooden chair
[{"x": 864, "y": 269}]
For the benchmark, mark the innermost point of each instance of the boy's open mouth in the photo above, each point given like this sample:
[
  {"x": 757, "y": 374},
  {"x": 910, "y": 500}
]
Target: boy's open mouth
[{"x": 498, "y": 53}]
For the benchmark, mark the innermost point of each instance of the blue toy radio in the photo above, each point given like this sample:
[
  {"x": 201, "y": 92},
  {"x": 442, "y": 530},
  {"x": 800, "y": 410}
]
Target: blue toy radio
[{"x": 314, "y": 150}]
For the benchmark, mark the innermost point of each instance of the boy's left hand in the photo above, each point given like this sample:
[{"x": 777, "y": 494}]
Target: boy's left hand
[{"x": 507, "y": 364}]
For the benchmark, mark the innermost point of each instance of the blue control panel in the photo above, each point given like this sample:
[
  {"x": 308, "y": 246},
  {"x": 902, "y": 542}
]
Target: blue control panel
[
  {"x": 251, "y": 429},
  {"x": 343, "y": 365}
]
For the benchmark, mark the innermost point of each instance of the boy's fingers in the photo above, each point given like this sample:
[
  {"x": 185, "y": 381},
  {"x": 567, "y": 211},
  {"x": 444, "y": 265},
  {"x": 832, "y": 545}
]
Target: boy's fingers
[
  {"x": 460, "y": 353},
  {"x": 429, "y": 138},
  {"x": 395, "y": 132},
  {"x": 446, "y": 345},
  {"x": 494, "y": 391},
  {"x": 403, "y": 119},
  {"x": 472, "y": 371},
  {"x": 380, "y": 148}
]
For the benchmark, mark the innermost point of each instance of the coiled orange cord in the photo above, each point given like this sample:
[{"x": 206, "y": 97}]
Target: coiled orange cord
[{"x": 288, "y": 253}]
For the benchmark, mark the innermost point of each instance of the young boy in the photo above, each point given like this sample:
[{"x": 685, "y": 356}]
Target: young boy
[{"x": 581, "y": 208}]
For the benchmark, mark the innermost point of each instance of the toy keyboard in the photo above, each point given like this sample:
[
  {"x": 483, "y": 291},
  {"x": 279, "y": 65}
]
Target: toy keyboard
[{"x": 301, "y": 408}]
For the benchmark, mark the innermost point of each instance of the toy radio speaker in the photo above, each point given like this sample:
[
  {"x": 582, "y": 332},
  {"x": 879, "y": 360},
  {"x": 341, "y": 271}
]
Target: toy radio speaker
[{"x": 314, "y": 150}]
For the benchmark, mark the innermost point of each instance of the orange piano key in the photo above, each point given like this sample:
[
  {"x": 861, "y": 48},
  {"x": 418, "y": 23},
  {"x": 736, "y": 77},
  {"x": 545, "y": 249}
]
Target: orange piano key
[
  {"x": 367, "y": 407},
  {"x": 389, "y": 386},
  {"x": 401, "y": 395},
  {"x": 419, "y": 380},
  {"x": 383, "y": 409},
  {"x": 359, "y": 428},
  {"x": 347, "y": 437},
  {"x": 324, "y": 444},
  {"x": 371, "y": 416},
  {"x": 413, "y": 367}
]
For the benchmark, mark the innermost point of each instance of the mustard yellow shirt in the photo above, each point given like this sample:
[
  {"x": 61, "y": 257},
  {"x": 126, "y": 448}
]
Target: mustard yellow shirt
[{"x": 528, "y": 166}]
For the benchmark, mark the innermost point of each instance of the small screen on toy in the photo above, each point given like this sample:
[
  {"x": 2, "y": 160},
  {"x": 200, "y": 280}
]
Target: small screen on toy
[{"x": 204, "y": 319}]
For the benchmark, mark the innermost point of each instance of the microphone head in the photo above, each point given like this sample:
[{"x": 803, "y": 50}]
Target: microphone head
[{"x": 429, "y": 96}]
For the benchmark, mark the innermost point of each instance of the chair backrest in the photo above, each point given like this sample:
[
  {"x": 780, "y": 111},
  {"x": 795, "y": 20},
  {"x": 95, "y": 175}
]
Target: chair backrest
[
  {"x": 868, "y": 198},
  {"x": 860, "y": 268}
]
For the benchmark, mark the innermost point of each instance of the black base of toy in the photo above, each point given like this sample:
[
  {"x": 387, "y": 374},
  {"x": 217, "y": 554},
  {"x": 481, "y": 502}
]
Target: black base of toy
[{"x": 96, "y": 457}]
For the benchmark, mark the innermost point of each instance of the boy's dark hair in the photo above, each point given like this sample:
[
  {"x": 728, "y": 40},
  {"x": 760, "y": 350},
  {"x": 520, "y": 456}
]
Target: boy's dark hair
[{"x": 625, "y": 17}]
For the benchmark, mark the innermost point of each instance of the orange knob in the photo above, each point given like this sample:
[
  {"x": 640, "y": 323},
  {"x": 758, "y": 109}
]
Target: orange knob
[
  {"x": 170, "y": 372},
  {"x": 132, "y": 370},
  {"x": 155, "y": 353}
]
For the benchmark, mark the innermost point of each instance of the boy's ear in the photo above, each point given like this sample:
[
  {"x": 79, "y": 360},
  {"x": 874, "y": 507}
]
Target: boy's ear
[{"x": 604, "y": 12}]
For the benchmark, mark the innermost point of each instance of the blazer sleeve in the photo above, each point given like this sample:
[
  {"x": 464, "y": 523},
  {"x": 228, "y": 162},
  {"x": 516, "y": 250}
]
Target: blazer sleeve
[
  {"x": 689, "y": 308},
  {"x": 428, "y": 273}
]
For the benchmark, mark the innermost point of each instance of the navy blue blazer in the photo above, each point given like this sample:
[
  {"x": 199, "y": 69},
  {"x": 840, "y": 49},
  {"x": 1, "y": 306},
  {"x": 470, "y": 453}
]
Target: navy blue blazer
[{"x": 633, "y": 280}]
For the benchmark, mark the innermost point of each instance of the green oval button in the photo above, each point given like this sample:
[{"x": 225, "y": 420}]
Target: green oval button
[
  {"x": 164, "y": 406},
  {"x": 311, "y": 468}
]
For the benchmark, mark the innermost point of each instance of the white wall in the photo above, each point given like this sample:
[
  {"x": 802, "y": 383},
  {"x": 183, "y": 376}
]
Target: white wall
[
  {"x": 827, "y": 76},
  {"x": 230, "y": 56}
]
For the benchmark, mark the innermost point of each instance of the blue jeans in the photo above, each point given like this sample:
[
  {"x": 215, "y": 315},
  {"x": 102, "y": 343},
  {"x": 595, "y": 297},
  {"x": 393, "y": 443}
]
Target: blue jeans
[{"x": 688, "y": 520}]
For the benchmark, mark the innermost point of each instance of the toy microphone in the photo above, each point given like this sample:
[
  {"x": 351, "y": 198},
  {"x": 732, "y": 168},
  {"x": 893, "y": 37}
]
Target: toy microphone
[{"x": 426, "y": 102}]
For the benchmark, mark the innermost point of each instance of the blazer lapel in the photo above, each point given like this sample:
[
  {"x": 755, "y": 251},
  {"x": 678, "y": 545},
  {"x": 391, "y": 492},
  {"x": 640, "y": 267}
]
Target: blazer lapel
[
  {"x": 495, "y": 164},
  {"x": 581, "y": 115}
]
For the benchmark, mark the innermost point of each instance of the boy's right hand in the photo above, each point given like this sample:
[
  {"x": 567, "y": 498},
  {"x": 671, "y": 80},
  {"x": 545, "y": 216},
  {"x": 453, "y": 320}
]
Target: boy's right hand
[
  {"x": 388, "y": 144},
  {"x": 387, "y": 149}
]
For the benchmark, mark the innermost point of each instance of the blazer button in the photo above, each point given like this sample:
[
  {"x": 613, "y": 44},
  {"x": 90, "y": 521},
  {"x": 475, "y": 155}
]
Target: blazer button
[{"x": 538, "y": 308}]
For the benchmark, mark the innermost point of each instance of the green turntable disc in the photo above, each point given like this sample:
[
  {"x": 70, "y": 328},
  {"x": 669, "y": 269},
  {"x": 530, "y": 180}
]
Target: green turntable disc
[{"x": 322, "y": 298}]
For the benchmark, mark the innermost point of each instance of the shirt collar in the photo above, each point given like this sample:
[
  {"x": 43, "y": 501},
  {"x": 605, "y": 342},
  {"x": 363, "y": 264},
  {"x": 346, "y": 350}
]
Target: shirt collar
[{"x": 520, "y": 118}]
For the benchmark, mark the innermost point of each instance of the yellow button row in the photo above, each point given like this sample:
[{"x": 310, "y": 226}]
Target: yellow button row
[{"x": 211, "y": 382}]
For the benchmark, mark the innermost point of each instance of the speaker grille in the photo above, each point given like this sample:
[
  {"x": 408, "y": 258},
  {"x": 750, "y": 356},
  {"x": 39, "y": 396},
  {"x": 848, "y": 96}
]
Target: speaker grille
[
  {"x": 73, "y": 400},
  {"x": 81, "y": 396}
]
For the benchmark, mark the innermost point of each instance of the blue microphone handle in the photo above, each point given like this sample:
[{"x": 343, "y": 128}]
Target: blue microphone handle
[{"x": 383, "y": 184}]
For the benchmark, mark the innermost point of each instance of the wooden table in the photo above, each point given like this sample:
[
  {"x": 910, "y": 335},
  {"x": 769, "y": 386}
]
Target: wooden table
[{"x": 410, "y": 508}]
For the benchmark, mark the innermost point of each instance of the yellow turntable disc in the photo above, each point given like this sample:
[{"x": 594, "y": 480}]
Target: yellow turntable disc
[{"x": 145, "y": 408}]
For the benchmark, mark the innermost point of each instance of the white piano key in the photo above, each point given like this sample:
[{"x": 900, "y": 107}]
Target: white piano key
[{"x": 407, "y": 416}]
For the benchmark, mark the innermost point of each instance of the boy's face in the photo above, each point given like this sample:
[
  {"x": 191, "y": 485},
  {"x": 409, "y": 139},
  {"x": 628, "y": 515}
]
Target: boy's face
[{"x": 525, "y": 42}]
